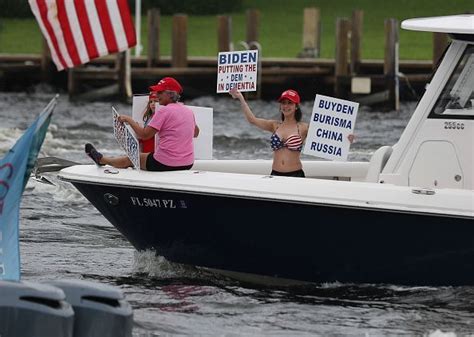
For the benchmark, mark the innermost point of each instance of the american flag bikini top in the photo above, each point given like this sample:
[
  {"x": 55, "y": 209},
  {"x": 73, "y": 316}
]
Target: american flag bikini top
[{"x": 293, "y": 142}]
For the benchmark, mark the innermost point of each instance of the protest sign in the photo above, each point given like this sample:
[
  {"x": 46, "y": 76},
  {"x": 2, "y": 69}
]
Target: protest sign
[
  {"x": 237, "y": 69},
  {"x": 126, "y": 139},
  {"x": 332, "y": 120}
]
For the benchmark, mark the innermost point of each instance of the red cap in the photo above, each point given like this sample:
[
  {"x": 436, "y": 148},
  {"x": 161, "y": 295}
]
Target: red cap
[
  {"x": 152, "y": 95},
  {"x": 291, "y": 95},
  {"x": 167, "y": 83}
]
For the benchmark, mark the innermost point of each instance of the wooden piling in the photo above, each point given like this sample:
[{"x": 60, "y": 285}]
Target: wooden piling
[
  {"x": 123, "y": 68},
  {"x": 47, "y": 66},
  {"x": 341, "y": 70},
  {"x": 71, "y": 83},
  {"x": 153, "y": 21},
  {"x": 440, "y": 43},
  {"x": 356, "y": 40},
  {"x": 311, "y": 32},
  {"x": 224, "y": 33},
  {"x": 253, "y": 25},
  {"x": 391, "y": 63},
  {"x": 179, "y": 49}
]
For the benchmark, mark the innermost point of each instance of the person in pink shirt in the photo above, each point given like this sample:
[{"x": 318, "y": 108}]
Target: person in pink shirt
[{"x": 176, "y": 128}]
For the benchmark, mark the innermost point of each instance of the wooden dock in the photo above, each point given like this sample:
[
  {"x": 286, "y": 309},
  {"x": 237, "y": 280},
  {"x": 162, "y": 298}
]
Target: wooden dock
[
  {"x": 307, "y": 75},
  {"x": 346, "y": 76}
]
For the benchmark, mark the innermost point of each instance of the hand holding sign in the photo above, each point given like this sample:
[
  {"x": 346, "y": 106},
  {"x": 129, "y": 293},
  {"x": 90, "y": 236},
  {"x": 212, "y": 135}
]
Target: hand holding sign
[{"x": 235, "y": 93}]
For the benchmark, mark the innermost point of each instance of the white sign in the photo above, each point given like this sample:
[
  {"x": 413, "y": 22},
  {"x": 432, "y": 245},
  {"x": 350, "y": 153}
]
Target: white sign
[
  {"x": 204, "y": 119},
  {"x": 203, "y": 142},
  {"x": 332, "y": 120},
  {"x": 139, "y": 105},
  {"x": 127, "y": 140},
  {"x": 237, "y": 69}
]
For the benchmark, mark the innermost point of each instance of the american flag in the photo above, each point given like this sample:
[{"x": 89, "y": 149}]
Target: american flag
[
  {"x": 78, "y": 31},
  {"x": 294, "y": 142}
]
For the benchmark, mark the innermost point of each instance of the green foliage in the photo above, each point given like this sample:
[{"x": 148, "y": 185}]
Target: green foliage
[
  {"x": 15, "y": 9},
  {"x": 191, "y": 7},
  {"x": 281, "y": 26},
  {"x": 21, "y": 8}
]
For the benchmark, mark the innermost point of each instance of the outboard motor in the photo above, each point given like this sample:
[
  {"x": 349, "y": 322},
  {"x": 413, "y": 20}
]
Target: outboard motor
[
  {"x": 34, "y": 310},
  {"x": 100, "y": 310}
]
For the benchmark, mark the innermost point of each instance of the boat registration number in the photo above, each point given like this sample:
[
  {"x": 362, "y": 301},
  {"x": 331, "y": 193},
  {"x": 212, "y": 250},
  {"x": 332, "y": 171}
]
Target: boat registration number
[
  {"x": 454, "y": 125},
  {"x": 157, "y": 203}
]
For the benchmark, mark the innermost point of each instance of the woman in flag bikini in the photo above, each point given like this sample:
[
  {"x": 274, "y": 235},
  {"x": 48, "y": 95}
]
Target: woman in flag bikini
[{"x": 288, "y": 134}]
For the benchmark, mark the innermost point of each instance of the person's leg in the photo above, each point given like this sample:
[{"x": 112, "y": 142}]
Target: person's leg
[
  {"x": 118, "y": 162},
  {"x": 99, "y": 159}
]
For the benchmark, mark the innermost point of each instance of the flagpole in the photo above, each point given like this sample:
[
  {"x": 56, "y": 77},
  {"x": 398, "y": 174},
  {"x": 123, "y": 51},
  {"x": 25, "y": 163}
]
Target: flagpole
[{"x": 138, "y": 21}]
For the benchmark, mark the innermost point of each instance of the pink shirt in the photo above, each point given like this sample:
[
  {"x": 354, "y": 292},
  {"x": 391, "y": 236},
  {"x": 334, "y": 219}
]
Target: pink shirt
[{"x": 175, "y": 126}]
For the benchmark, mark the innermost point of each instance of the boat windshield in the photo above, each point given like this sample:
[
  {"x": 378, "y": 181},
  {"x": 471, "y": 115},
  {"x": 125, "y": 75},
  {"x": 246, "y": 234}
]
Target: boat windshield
[{"x": 457, "y": 97}]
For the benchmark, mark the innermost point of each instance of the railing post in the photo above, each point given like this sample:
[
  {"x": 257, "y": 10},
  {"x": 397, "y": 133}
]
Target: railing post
[
  {"x": 224, "y": 33},
  {"x": 253, "y": 24},
  {"x": 311, "y": 32},
  {"x": 390, "y": 68},
  {"x": 356, "y": 39},
  {"x": 124, "y": 75},
  {"x": 179, "y": 50},
  {"x": 153, "y": 53},
  {"x": 71, "y": 83},
  {"x": 341, "y": 70},
  {"x": 47, "y": 65}
]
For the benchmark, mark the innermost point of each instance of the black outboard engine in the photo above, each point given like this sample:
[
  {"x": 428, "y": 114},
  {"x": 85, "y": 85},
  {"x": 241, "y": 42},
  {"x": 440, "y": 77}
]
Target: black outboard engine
[
  {"x": 100, "y": 310},
  {"x": 34, "y": 310}
]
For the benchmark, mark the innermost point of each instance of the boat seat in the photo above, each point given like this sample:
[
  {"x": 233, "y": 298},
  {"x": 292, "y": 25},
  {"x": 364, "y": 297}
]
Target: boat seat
[{"x": 377, "y": 163}]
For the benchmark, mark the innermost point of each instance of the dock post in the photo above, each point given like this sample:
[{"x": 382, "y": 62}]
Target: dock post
[
  {"x": 258, "y": 93},
  {"x": 356, "y": 39},
  {"x": 252, "y": 34},
  {"x": 253, "y": 24},
  {"x": 71, "y": 83},
  {"x": 124, "y": 75},
  {"x": 179, "y": 49},
  {"x": 224, "y": 33},
  {"x": 153, "y": 21},
  {"x": 440, "y": 43},
  {"x": 341, "y": 70},
  {"x": 47, "y": 66},
  {"x": 311, "y": 33},
  {"x": 390, "y": 68}
]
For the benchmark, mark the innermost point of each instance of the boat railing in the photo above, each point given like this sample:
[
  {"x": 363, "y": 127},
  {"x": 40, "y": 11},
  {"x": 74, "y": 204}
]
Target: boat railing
[{"x": 350, "y": 171}]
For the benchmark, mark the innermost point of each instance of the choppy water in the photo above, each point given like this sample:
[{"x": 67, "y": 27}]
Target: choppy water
[{"x": 62, "y": 236}]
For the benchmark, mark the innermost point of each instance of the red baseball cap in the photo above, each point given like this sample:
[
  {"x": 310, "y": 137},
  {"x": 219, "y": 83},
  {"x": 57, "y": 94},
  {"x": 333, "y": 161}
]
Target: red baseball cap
[
  {"x": 152, "y": 95},
  {"x": 167, "y": 83},
  {"x": 291, "y": 95}
]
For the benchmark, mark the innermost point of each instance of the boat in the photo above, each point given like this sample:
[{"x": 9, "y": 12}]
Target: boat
[{"x": 405, "y": 217}]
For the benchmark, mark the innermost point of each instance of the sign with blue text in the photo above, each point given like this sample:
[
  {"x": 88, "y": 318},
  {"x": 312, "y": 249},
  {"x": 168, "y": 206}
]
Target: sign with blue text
[
  {"x": 237, "y": 69},
  {"x": 332, "y": 121},
  {"x": 126, "y": 139}
]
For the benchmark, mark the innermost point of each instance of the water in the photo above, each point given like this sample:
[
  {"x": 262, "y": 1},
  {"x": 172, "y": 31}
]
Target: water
[{"x": 62, "y": 237}]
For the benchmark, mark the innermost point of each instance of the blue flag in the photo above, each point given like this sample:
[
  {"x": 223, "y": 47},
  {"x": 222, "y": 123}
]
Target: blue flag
[{"x": 15, "y": 169}]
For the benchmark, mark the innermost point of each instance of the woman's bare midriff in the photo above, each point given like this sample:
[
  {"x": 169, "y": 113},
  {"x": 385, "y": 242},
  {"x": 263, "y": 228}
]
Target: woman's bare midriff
[{"x": 285, "y": 160}]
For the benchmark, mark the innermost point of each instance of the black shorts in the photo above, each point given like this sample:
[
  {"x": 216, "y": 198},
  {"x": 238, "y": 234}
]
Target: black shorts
[
  {"x": 298, "y": 173},
  {"x": 153, "y": 165}
]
